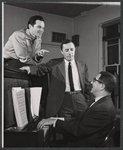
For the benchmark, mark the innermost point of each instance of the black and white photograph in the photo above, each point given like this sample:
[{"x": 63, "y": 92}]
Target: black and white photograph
[{"x": 61, "y": 74}]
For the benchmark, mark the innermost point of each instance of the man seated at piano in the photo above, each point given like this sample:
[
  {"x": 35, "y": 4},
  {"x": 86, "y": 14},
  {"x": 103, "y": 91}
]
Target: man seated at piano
[
  {"x": 24, "y": 46},
  {"x": 90, "y": 128}
]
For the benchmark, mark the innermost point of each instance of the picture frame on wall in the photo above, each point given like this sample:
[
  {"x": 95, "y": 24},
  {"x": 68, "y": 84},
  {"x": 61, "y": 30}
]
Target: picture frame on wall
[{"x": 58, "y": 37}]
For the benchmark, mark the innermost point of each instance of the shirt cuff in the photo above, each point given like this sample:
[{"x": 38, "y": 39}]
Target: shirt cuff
[
  {"x": 38, "y": 58},
  {"x": 54, "y": 124},
  {"x": 56, "y": 118}
]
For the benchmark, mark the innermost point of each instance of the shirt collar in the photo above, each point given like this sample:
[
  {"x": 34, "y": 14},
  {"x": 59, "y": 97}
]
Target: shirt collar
[
  {"x": 97, "y": 98},
  {"x": 72, "y": 62},
  {"x": 27, "y": 32}
]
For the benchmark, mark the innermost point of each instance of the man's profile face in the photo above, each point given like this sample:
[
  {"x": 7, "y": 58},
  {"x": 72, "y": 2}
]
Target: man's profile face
[
  {"x": 68, "y": 51},
  {"x": 96, "y": 85},
  {"x": 37, "y": 29}
]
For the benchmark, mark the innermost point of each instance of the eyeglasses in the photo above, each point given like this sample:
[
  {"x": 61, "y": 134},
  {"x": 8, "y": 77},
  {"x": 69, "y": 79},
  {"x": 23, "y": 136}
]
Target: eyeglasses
[{"x": 94, "y": 80}]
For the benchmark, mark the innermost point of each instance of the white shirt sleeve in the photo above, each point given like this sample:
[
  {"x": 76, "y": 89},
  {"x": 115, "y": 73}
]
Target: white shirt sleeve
[{"x": 56, "y": 118}]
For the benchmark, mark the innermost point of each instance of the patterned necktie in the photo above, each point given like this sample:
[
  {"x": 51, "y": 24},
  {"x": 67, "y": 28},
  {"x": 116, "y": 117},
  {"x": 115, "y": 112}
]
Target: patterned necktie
[{"x": 70, "y": 77}]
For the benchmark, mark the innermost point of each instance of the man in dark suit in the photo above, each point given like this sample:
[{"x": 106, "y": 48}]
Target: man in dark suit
[
  {"x": 90, "y": 128},
  {"x": 68, "y": 92}
]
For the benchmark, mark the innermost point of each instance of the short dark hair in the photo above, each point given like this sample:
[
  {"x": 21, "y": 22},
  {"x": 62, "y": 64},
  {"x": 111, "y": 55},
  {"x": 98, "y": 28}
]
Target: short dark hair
[
  {"x": 65, "y": 42},
  {"x": 33, "y": 19},
  {"x": 109, "y": 80}
]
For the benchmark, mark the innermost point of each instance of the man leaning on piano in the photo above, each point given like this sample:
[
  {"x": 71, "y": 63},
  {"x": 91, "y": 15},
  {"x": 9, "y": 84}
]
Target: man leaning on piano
[{"x": 83, "y": 122}]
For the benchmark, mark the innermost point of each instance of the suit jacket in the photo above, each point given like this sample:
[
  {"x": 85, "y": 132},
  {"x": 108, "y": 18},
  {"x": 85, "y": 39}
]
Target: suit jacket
[
  {"x": 90, "y": 129},
  {"x": 56, "y": 70}
]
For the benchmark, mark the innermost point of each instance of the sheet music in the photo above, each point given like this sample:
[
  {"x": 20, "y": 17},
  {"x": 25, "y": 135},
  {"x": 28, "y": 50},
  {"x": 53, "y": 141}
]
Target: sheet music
[
  {"x": 19, "y": 106},
  {"x": 35, "y": 100}
]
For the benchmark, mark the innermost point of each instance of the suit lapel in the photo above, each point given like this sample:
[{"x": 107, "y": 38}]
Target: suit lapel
[
  {"x": 80, "y": 72},
  {"x": 96, "y": 103},
  {"x": 105, "y": 98},
  {"x": 62, "y": 68}
]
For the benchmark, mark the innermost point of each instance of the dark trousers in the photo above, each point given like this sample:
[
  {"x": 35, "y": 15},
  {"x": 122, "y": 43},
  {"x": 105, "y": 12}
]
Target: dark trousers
[
  {"x": 72, "y": 106},
  {"x": 14, "y": 63}
]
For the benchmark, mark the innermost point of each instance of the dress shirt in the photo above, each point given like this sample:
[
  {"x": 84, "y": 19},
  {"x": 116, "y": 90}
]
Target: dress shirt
[
  {"x": 75, "y": 74},
  {"x": 22, "y": 45}
]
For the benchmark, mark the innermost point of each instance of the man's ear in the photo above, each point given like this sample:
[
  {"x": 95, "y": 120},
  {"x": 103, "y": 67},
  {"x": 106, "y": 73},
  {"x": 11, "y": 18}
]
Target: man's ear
[
  {"x": 29, "y": 26},
  {"x": 61, "y": 52},
  {"x": 102, "y": 86}
]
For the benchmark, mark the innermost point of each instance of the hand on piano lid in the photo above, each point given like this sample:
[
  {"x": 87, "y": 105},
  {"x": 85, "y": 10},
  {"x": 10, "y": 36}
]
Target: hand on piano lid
[{"x": 27, "y": 68}]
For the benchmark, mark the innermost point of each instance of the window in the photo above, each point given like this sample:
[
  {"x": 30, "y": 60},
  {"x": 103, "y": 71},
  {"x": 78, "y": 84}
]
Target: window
[{"x": 111, "y": 55}]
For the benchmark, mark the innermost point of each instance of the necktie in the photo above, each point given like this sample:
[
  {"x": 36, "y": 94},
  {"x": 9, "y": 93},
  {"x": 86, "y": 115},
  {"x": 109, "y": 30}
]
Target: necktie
[{"x": 70, "y": 77}]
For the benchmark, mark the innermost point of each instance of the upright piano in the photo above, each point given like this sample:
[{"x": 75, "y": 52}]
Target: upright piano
[{"x": 29, "y": 136}]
